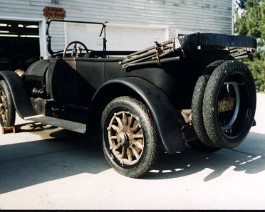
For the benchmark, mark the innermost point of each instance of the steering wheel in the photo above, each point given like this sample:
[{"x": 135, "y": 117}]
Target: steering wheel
[{"x": 77, "y": 48}]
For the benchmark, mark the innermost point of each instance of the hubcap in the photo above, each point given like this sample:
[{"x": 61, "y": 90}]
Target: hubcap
[{"x": 125, "y": 138}]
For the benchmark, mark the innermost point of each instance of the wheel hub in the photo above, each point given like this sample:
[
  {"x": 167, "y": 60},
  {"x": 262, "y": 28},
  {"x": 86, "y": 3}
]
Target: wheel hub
[{"x": 123, "y": 138}]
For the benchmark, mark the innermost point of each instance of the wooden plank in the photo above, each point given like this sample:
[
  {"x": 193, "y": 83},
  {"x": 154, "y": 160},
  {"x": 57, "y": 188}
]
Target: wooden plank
[{"x": 8, "y": 130}]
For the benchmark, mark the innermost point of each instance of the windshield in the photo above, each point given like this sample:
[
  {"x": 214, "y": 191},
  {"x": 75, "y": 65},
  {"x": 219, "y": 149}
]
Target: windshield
[{"x": 61, "y": 32}]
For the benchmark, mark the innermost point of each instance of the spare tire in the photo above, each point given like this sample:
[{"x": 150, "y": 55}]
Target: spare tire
[
  {"x": 197, "y": 104},
  {"x": 229, "y": 104}
]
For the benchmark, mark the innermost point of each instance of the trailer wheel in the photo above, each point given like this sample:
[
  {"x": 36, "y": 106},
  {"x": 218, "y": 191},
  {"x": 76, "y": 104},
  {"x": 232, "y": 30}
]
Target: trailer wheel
[
  {"x": 129, "y": 136},
  {"x": 7, "y": 109},
  {"x": 229, "y": 104},
  {"x": 196, "y": 108}
]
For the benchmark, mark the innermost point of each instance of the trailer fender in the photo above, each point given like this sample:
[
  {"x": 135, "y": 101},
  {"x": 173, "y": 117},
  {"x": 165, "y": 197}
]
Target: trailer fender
[
  {"x": 163, "y": 112},
  {"x": 19, "y": 93}
]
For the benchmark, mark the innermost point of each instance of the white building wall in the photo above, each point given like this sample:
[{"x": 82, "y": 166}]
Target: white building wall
[
  {"x": 184, "y": 15},
  {"x": 179, "y": 16}
]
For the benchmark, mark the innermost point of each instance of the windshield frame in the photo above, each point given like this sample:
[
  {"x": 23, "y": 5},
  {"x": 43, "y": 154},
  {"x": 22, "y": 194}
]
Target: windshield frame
[{"x": 49, "y": 37}]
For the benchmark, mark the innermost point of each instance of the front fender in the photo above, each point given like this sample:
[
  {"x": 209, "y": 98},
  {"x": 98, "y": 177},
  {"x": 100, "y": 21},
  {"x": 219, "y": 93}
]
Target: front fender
[
  {"x": 19, "y": 93},
  {"x": 165, "y": 115}
]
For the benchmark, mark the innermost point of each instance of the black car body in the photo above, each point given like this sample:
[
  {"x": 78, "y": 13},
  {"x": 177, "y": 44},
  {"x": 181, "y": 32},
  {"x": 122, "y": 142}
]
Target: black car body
[{"x": 192, "y": 89}]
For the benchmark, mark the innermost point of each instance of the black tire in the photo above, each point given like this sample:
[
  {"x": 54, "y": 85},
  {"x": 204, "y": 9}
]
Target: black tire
[
  {"x": 7, "y": 109},
  {"x": 129, "y": 137},
  {"x": 196, "y": 108},
  {"x": 229, "y": 104}
]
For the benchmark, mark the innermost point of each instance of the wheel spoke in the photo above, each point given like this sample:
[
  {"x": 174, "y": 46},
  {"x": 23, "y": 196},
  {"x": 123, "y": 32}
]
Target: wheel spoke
[
  {"x": 139, "y": 145},
  {"x": 117, "y": 146},
  {"x": 3, "y": 99},
  {"x": 3, "y": 117},
  {"x": 124, "y": 119},
  {"x": 136, "y": 128},
  {"x": 129, "y": 154},
  {"x": 120, "y": 124},
  {"x": 138, "y": 136},
  {"x": 130, "y": 121},
  {"x": 114, "y": 127},
  {"x": 3, "y": 103},
  {"x": 123, "y": 153},
  {"x": 135, "y": 153}
]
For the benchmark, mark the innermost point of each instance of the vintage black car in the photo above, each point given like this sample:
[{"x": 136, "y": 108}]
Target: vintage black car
[{"x": 192, "y": 89}]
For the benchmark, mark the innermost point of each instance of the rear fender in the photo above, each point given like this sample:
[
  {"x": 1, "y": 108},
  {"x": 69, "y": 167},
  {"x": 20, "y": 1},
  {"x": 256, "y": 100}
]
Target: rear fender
[
  {"x": 163, "y": 112},
  {"x": 19, "y": 93}
]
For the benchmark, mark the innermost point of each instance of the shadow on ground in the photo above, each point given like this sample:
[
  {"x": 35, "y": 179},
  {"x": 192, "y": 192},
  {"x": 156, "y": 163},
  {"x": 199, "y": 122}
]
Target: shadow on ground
[
  {"x": 64, "y": 154},
  {"x": 248, "y": 157},
  {"x": 67, "y": 154}
]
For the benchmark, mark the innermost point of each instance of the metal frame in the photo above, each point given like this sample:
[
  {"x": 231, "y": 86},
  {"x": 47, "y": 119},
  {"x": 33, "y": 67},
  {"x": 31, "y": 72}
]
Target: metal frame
[{"x": 49, "y": 37}]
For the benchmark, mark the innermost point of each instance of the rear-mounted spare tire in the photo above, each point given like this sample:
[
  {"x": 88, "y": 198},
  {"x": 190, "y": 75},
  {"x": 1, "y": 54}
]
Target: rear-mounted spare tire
[
  {"x": 197, "y": 105},
  {"x": 229, "y": 104}
]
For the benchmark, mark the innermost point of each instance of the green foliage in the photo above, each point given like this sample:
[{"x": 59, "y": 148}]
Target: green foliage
[
  {"x": 251, "y": 22},
  {"x": 257, "y": 68}
]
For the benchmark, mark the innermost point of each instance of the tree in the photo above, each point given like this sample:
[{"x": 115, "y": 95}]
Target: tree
[{"x": 251, "y": 22}]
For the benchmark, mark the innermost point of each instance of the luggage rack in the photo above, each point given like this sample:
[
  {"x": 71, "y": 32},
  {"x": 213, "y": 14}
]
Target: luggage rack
[
  {"x": 157, "y": 53},
  {"x": 239, "y": 47}
]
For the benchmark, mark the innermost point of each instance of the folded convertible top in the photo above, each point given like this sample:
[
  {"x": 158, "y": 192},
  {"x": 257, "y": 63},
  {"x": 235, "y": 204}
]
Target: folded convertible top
[{"x": 213, "y": 39}]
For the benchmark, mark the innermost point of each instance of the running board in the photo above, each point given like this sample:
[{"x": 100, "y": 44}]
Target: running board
[{"x": 65, "y": 124}]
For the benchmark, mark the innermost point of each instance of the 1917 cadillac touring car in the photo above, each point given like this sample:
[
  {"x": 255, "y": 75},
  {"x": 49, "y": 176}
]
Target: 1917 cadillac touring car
[{"x": 191, "y": 89}]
